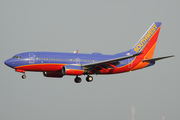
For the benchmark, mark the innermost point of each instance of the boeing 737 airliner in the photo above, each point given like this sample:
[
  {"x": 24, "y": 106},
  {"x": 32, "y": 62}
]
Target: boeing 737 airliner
[{"x": 57, "y": 64}]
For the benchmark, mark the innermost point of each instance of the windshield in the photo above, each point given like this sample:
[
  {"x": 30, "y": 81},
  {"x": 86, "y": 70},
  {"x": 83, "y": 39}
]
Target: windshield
[{"x": 18, "y": 57}]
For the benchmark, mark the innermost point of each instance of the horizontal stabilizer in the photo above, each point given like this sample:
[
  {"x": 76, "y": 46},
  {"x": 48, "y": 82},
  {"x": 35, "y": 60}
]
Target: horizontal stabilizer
[{"x": 160, "y": 58}]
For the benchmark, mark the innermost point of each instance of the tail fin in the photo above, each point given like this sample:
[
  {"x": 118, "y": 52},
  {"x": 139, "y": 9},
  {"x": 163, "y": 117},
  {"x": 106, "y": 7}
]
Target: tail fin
[{"x": 147, "y": 42}]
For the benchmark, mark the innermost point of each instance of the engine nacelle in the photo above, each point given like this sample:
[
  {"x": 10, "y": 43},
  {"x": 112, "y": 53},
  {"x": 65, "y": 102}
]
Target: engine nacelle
[
  {"x": 53, "y": 74},
  {"x": 72, "y": 70}
]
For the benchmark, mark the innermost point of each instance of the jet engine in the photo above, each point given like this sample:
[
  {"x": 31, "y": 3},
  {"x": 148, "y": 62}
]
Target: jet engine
[
  {"x": 72, "y": 70},
  {"x": 53, "y": 74}
]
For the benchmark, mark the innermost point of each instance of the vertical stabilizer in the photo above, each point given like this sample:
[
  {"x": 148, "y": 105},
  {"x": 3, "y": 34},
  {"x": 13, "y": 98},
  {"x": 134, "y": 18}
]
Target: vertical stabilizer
[{"x": 148, "y": 40}]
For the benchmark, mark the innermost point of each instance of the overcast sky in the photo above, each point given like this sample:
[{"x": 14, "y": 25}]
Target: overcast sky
[{"x": 105, "y": 26}]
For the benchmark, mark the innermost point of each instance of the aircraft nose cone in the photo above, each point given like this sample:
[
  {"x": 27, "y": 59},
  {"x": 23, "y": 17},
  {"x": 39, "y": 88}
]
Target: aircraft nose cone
[{"x": 8, "y": 62}]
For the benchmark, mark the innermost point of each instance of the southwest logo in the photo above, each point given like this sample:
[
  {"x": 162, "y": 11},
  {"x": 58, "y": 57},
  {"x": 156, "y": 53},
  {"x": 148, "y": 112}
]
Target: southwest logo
[{"x": 146, "y": 38}]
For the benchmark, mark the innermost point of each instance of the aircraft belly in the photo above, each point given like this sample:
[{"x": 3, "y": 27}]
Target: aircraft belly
[{"x": 41, "y": 67}]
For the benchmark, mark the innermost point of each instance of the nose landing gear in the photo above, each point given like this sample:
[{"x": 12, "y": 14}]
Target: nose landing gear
[
  {"x": 23, "y": 76},
  {"x": 21, "y": 71}
]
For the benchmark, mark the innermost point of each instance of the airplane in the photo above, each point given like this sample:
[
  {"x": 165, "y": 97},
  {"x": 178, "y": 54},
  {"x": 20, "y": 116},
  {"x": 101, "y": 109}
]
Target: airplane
[{"x": 58, "y": 64}]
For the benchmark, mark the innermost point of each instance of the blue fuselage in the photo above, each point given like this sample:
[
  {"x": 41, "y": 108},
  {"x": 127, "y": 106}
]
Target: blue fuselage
[{"x": 50, "y": 58}]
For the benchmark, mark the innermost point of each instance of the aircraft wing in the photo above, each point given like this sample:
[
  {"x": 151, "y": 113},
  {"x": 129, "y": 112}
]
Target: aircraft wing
[{"x": 111, "y": 62}]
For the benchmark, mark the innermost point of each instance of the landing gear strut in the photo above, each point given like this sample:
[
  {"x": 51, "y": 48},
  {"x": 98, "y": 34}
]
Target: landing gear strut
[
  {"x": 77, "y": 79},
  {"x": 89, "y": 78}
]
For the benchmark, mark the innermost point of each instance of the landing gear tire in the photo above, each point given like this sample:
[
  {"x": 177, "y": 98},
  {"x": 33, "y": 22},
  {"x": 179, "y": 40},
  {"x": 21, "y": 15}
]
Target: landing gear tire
[
  {"x": 77, "y": 80},
  {"x": 23, "y": 76},
  {"x": 89, "y": 78}
]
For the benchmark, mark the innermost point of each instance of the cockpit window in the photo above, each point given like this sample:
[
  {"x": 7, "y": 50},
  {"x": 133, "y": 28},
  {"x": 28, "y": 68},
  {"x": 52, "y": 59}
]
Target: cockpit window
[{"x": 18, "y": 57}]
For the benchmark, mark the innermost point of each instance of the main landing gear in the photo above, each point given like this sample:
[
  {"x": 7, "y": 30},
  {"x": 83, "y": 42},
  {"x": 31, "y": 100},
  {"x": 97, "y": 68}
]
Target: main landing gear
[
  {"x": 77, "y": 79},
  {"x": 88, "y": 79}
]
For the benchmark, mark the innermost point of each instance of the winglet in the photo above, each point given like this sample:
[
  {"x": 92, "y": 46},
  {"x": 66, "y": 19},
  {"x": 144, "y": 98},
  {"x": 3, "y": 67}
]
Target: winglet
[{"x": 76, "y": 51}]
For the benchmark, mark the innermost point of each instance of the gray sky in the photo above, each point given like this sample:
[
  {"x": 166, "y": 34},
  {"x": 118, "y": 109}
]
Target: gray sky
[{"x": 106, "y": 26}]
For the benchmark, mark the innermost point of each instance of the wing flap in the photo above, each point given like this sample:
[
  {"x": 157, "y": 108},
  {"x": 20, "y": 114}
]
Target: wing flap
[{"x": 111, "y": 61}]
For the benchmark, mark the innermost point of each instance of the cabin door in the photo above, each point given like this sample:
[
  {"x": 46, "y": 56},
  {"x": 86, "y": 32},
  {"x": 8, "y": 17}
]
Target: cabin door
[{"x": 31, "y": 58}]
